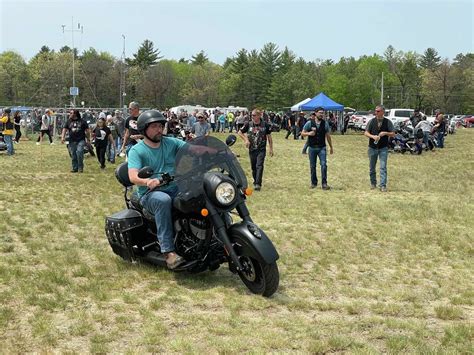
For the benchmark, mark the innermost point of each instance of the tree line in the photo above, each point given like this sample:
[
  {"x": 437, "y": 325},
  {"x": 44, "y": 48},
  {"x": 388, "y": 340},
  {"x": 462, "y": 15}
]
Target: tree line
[{"x": 269, "y": 78}]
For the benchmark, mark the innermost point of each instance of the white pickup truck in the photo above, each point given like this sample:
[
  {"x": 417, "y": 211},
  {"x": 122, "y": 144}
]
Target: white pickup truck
[{"x": 397, "y": 115}]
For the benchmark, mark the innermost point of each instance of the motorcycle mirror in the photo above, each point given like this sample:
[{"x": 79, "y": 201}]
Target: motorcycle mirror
[
  {"x": 231, "y": 139},
  {"x": 145, "y": 172}
]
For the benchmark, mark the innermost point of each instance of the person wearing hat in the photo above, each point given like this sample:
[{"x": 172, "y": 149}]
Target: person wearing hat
[
  {"x": 44, "y": 129},
  {"x": 318, "y": 132},
  {"x": 201, "y": 128},
  {"x": 8, "y": 128},
  {"x": 158, "y": 152}
]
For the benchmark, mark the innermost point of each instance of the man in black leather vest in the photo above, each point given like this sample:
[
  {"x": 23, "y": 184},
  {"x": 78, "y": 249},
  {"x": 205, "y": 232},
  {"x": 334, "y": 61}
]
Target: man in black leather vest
[
  {"x": 317, "y": 130},
  {"x": 378, "y": 130}
]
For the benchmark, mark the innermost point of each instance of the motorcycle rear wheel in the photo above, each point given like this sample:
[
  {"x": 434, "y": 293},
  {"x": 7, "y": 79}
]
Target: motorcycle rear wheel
[{"x": 259, "y": 277}]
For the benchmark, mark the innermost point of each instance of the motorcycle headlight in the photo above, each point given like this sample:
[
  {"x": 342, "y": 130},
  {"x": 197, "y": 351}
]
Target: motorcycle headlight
[{"x": 225, "y": 193}]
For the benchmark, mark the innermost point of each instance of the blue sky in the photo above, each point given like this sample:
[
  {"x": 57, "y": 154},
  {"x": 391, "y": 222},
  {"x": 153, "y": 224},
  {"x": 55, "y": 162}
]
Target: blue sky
[{"x": 182, "y": 28}]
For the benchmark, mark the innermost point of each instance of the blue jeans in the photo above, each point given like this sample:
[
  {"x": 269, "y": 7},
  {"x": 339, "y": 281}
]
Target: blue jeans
[
  {"x": 110, "y": 152},
  {"x": 383, "y": 155},
  {"x": 314, "y": 153},
  {"x": 118, "y": 144},
  {"x": 159, "y": 203},
  {"x": 9, "y": 142},
  {"x": 426, "y": 138},
  {"x": 440, "y": 139},
  {"x": 76, "y": 150}
]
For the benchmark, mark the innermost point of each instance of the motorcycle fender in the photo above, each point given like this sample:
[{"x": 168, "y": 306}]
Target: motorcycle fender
[{"x": 255, "y": 239}]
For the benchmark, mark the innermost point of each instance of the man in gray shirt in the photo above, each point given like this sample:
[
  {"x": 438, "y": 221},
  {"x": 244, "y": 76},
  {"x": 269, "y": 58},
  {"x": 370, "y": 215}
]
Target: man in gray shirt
[{"x": 201, "y": 128}]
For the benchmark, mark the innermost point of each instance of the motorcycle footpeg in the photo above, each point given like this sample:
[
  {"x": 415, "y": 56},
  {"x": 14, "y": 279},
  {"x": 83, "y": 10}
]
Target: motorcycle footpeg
[{"x": 145, "y": 247}]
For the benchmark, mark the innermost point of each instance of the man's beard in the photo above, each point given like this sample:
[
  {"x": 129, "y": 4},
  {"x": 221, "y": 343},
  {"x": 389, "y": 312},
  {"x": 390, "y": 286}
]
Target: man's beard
[{"x": 155, "y": 139}]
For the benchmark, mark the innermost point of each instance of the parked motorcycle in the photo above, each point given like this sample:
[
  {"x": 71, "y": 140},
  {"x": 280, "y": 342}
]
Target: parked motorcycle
[
  {"x": 3, "y": 145},
  {"x": 212, "y": 188},
  {"x": 406, "y": 139}
]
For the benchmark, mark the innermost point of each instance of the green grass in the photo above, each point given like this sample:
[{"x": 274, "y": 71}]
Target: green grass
[{"x": 361, "y": 271}]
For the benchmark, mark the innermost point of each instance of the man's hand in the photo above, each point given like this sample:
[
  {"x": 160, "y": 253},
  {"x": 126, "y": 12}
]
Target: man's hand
[
  {"x": 271, "y": 152},
  {"x": 62, "y": 140},
  {"x": 152, "y": 184},
  {"x": 247, "y": 144},
  {"x": 331, "y": 150}
]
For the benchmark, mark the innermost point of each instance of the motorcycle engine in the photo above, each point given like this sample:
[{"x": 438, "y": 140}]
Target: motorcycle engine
[{"x": 190, "y": 235}]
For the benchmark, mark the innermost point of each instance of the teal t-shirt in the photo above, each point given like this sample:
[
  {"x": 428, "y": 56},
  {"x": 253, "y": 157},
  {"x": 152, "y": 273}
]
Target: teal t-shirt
[{"x": 161, "y": 159}]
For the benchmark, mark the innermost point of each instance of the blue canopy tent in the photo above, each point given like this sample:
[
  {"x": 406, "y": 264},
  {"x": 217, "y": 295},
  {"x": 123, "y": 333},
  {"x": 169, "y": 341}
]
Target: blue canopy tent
[{"x": 321, "y": 100}]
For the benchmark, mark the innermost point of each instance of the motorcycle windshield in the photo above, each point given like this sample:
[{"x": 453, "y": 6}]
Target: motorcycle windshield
[{"x": 202, "y": 155}]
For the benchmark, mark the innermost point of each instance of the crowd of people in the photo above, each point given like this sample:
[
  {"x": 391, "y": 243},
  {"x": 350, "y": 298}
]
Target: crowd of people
[{"x": 112, "y": 134}]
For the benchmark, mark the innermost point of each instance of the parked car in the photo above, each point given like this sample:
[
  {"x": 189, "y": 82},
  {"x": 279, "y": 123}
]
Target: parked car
[
  {"x": 397, "y": 115},
  {"x": 357, "y": 119},
  {"x": 365, "y": 120},
  {"x": 468, "y": 121}
]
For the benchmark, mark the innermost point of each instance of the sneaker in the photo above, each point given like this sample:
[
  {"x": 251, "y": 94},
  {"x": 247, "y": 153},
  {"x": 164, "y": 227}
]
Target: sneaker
[
  {"x": 383, "y": 189},
  {"x": 173, "y": 260},
  {"x": 257, "y": 187},
  {"x": 73, "y": 171},
  {"x": 80, "y": 170},
  {"x": 313, "y": 186},
  {"x": 52, "y": 143},
  {"x": 373, "y": 187},
  {"x": 102, "y": 167},
  {"x": 37, "y": 143},
  {"x": 326, "y": 187}
]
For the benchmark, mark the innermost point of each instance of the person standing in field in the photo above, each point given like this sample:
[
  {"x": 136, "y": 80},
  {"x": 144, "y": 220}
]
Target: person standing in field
[
  {"x": 318, "y": 132},
  {"x": 103, "y": 138},
  {"x": 255, "y": 134},
  {"x": 79, "y": 133},
  {"x": 44, "y": 129},
  {"x": 8, "y": 125},
  {"x": 378, "y": 130},
  {"x": 131, "y": 135},
  {"x": 17, "y": 119}
]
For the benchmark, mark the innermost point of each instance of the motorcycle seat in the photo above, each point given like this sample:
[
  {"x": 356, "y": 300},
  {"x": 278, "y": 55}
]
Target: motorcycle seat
[{"x": 121, "y": 174}]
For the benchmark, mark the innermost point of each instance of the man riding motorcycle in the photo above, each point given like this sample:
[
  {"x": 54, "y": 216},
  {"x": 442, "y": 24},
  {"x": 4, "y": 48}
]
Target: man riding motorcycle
[{"x": 159, "y": 153}]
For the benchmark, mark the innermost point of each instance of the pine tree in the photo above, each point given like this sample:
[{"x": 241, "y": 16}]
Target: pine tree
[
  {"x": 146, "y": 56},
  {"x": 430, "y": 59}
]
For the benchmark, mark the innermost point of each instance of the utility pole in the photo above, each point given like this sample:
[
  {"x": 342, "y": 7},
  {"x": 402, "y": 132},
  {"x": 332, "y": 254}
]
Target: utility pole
[
  {"x": 381, "y": 91},
  {"x": 122, "y": 76},
  {"x": 73, "y": 91}
]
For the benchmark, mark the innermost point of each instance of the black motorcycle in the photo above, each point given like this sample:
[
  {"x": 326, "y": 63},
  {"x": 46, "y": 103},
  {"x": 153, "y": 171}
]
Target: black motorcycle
[{"x": 212, "y": 189}]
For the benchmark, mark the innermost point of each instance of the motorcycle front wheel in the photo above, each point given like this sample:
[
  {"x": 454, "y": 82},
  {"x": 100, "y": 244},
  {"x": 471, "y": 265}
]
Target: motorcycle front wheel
[{"x": 259, "y": 277}]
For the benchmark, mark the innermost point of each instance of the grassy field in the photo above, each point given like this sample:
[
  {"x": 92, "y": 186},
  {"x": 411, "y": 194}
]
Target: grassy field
[{"x": 361, "y": 271}]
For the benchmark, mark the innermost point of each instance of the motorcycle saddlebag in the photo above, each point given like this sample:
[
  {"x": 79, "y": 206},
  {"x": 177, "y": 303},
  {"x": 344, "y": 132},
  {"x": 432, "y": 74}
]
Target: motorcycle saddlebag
[{"x": 122, "y": 229}]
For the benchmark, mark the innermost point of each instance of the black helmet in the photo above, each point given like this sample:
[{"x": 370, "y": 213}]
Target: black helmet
[
  {"x": 149, "y": 117},
  {"x": 7, "y": 110}
]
